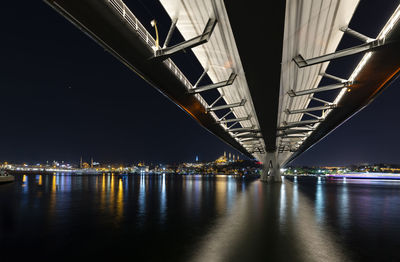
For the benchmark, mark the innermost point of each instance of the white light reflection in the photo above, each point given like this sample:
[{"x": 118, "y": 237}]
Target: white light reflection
[
  {"x": 188, "y": 189},
  {"x": 163, "y": 201},
  {"x": 295, "y": 203},
  {"x": 230, "y": 188},
  {"x": 319, "y": 202},
  {"x": 282, "y": 206},
  {"x": 344, "y": 205},
  {"x": 197, "y": 194},
  {"x": 142, "y": 199}
]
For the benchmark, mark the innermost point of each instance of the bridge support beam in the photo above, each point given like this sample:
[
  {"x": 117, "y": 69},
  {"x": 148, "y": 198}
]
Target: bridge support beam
[
  {"x": 164, "y": 53},
  {"x": 170, "y": 32},
  {"x": 369, "y": 46},
  {"x": 244, "y": 129},
  {"x": 234, "y": 120},
  {"x": 300, "y": 123},
  {"x": 310, "y": 109},
  {"x": 215, "y": 108},
  {"x": 271, "y": 171},
  {"x": 213, "y": 86},
  {"x": 293, "y": 93}
]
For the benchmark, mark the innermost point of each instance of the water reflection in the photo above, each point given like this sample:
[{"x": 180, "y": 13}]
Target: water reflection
[
  {"x": 220, "y": 195},
  {"x": 200, "y": 218},
  {"x": 320, "y": 202},
  {"x": 40, "y": 180},
  {"x": 52, "y": 201},
  {"x": 295, "y": 199},
  {"x": 343, "y": 202},
  {"x": 25, "y": 185},
  {"x": 142, "y": 199},
  {"x": 282, "y": 206},
  {"x": 284, "y": 228},
  {"x": 120, "y": 200},
  {"x": 163, "y": 200}
]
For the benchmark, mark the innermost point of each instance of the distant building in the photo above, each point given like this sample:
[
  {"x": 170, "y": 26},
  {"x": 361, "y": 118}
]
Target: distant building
[{"x": 222, "y": 160}]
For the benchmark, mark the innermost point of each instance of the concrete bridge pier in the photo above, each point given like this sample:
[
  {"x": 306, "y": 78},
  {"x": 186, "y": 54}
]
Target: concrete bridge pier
[{"x": 271, "y": 171}]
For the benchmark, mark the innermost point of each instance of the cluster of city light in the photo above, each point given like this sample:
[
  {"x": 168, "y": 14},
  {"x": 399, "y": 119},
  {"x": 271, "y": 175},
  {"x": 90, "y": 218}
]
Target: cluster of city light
[{"x": 67, "y": 168}]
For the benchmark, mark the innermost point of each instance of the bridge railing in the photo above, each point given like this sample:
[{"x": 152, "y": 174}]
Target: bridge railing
[{"x": 137, "y": 27}]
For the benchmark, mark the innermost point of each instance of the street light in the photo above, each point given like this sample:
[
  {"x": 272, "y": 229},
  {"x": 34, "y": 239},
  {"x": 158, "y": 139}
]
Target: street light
[{"x": 154, "y": 24}]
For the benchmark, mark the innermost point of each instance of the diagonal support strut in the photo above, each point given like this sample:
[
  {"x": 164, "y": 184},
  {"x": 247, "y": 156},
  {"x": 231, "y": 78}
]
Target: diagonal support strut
[
  {"x": 369, "y": 46},
  {"x": 164, "y": 53},
  {"x": 228, "y": 82}
]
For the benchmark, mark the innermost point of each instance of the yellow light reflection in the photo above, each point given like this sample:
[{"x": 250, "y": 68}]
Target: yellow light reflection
[
  {"x": 111, "y": 199},
  {"x": 220, "y": 194},
  {"x": 52, "y": 205},
  {"x": 54, "y": 185},
  {"x": 103, "y": 193},
  {"x": 120, "y": 200}
]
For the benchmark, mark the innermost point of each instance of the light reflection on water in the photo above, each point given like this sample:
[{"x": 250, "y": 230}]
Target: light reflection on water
[
  {"x": 195, "y": 218},
  {"x": 320, "y": 202}
]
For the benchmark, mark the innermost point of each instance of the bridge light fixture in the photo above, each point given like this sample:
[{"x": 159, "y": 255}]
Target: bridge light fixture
[
  {"x": 385, "y": 30},
  {"x": 154, "y": 24},
  {"x": 389, "y": 25}
]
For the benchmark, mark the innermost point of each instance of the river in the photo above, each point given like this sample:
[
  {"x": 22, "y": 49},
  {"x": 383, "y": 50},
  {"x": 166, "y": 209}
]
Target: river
[{"x": 198, "y": 218}]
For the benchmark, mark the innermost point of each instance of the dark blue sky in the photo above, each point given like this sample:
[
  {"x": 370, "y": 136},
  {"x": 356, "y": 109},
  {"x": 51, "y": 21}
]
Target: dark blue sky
[{"x": 63, "y": 96}]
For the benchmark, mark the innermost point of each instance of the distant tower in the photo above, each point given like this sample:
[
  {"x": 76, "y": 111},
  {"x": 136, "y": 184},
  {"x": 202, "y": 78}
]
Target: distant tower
[
  {"x": 197, "y": 158},
  {"x": 237, "y": 157},
  {"x": 229, "y": 159},
  {"x": 225, "y": 154},
  {"x": 233, "y": 157},
  {"x": 80, "y": 163},
  {"x": 91, "y": 162}
]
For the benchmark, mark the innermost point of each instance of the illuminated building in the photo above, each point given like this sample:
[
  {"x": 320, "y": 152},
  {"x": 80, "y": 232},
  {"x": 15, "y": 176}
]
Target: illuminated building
[{"x": 222, "y": 160}]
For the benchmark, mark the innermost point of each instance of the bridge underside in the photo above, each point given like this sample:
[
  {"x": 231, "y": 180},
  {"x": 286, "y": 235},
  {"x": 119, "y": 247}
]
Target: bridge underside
[
  {"x": 259, "y": 39},
  {"x": 270, "y": 94},
  {"x": 104, "y": 25},
  {"x": 381, "y": 70}
]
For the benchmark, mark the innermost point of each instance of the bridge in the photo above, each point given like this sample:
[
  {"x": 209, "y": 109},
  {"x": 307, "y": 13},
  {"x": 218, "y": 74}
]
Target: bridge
[{"x": 270, "y": 104}]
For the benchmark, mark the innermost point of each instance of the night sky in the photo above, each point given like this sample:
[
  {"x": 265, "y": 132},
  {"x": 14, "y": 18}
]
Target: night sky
[{"x": 64, "y": 97}]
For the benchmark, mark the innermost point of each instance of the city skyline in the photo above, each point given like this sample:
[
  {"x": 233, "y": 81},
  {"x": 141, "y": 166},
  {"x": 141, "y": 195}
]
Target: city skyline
[{"x": 63, "y": 100}]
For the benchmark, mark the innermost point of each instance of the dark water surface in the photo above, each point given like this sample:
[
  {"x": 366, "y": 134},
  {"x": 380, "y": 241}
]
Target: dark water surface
[{"x": 193, "y": 218}]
